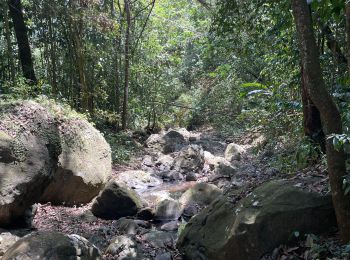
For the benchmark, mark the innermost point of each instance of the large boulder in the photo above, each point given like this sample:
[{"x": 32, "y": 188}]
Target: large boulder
[
  {"x": 84, "y": 165},
  {"x": 115, "y": 201},
  {"x": 29, "y": 146},
  {"x": 46, "y": 157},
  {"x": 259, "y": 223},
  {"x": 190, "y": 159},
  {"x": 171, "y": 141},
  {"x": 52, "y": 245}
]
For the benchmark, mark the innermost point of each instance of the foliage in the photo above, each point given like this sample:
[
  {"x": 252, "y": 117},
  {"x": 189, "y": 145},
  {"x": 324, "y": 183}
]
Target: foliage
[{"x": 122, "y": 145}]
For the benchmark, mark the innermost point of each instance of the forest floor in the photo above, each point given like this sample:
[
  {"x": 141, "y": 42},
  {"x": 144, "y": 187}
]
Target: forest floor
[{"x": 254, "y": 168}]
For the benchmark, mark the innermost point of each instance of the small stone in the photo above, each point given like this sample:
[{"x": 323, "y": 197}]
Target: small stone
[
  {"x": 6, "y": 241},
  {"x": 145, "y": 214},
  {"x": 168, "y": 209},
  {"x": 87, "y": 216},
  {"x": 192, "y": 139},
  {"x": 164, "y": 256},
  {"x": 170, "y": 226},
  {"x": 191, "y": 177},
  {"x": 159, "y": 239},
  {"x": 128, "y": 226},
  {"x": 125, "y": 247}
]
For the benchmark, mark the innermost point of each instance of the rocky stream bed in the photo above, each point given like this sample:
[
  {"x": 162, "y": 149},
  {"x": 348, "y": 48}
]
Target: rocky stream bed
[{"x": 188, "y": 195}]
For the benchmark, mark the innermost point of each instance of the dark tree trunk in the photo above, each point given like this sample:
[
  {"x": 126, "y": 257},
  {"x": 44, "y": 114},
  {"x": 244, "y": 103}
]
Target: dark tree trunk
[
  {"x": 9, "y": 44},
  {"x": 25, "y": 54},
  {"x": 333, "y": 45},
  {"x": 311, "y": 116},
  {"x": 347, "y": 18},
  {"x": 127, "y": 64},
  {"x": 329, "y": 113},
  {"x": 53, "y": 58}
]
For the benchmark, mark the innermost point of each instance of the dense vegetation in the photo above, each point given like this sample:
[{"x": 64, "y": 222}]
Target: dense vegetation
[{"x": 278, "y": 67}]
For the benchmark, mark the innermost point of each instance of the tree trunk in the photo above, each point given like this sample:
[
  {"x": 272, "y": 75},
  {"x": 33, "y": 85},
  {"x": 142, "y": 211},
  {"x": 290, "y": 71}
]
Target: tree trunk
[
  {"x": 329, "y": 112},
  {"x": 77, "y": 39},
  {"x": 127, "y": 64},
  {"x": 311, "y": 116},
  {"x": 11, "y": 60},
  {"x": 117, "y": 76},
  {"x": 333, "y": 45},
  {"x": 347, "y": 18},
  {"x": 25, "y": 54},
  {"x": 53, "y": 59}
]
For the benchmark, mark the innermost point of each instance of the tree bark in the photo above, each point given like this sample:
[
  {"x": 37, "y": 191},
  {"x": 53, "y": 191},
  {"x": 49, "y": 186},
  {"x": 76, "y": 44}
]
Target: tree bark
[
  {"x": 77, "y": 39},
  {"x": 329, "y": 113},
  {"x": 311, "y": 116},
  {"x": 11, "y": 60},
  {"x": 53, "y": 58},
  {"x": 347, "y": 19},
  {"x": 126, "y": 65},
  {"x": 333, "y": 45},
  {"x": 21, "y": 32}
]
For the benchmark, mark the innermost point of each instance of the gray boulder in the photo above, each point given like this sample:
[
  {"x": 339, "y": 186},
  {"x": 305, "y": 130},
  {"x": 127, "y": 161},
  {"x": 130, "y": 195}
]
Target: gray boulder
[
  {"x": 168, "y": 209},
  {"x": 84, "y": 165},
  {"x": 125, "y": 247},
  {"x": 47, "y": 157},
  {"x": 233, "y": 152},
  {"x": 52, "y": 245},
  {"x": 29, "y": 146},
  {"x": 6, "y": 241},
  {"x": 138, "y": 180},
  {"x": 131, "y": 226},
  {"x": 199, "y": 196},
  {"x": 258, "y": 224},
  {"x": 190, "y": 159},
  {"x": 225, "y": 169},
  {"x": 115, "y": 201},
  {"x": 171, "y": 141},
  {"x": 159, "y": 239},
  {"x": 215, "y": 147}
]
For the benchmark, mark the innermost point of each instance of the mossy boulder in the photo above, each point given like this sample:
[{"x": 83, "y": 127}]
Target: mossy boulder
[
  {"x": 52, "y": 245},
  {"x": 171, "y": 141},
  {"x": 259, "y": 223},
  {"x": 84, "y": 165},
  {"x": 45, "y": 156},
  {"x": 115, "y": 201},
  {"x": 28, "y": 156},
  {"x": 200, "y": 195}
]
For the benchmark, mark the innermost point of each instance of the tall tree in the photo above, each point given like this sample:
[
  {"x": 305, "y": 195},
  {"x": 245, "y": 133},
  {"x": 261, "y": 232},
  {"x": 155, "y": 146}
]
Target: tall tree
[
  {"x": 9, "y": 43},
  {"x": 21, "y": 31},
  {"x": 347, "y": 18},
  {"x": 311, "y": 115},
  {"x": 329, "y": 112},
  {"x": 126, "y": 65}
]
